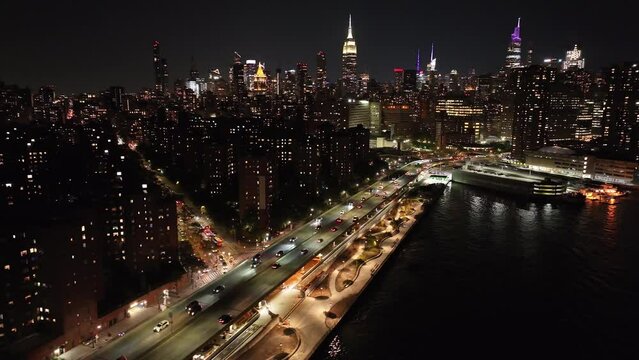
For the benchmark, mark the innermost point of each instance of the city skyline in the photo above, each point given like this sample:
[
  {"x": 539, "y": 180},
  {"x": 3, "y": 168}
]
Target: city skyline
[
  {"x": 91, "y": 59},
  {"x": 152, "y": 162}
]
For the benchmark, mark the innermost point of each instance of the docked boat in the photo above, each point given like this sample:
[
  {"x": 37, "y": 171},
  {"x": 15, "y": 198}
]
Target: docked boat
[{"x": 605, "y": 193}]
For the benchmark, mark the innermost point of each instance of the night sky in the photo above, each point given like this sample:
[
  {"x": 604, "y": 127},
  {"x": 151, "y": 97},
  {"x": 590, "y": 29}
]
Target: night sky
[{"x": 87, "y": 47}]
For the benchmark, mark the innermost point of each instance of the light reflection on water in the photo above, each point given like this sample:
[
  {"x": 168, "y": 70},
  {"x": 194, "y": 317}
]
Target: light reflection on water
[
  {"x": 482, "y": 268},
  {"x": 335, "y": 350}
]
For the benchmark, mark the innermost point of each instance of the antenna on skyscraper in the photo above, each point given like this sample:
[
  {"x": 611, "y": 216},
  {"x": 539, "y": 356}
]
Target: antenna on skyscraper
[{"x": 432, "y": 51}]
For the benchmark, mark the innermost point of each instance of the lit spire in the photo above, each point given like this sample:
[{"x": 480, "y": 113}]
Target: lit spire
[
  {"x": 432, "y": 66},
  {"x": 516, "y": 35},
  {"x": 349, "y": 44},
  {"x": 418, "y": 61},
  {"x": 260, "y": 71}
]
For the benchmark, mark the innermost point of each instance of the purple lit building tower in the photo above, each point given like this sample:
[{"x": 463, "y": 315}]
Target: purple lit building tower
[{"x": 513, "y": 58}]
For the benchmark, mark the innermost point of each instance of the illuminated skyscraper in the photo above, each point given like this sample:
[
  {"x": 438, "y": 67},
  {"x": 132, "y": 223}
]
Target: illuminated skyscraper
[
  {"x": 532, "y": 93},
  {"x": 161, "y": 69},
  {"x": 259, "y": 80},
  {"x": 399, "y": 79},
  {"x": 513, "y": 58},
  {"x": 432, "y": 65},
  {"x": 249, "y": 73},
  {"x": 238, "y": 86},
  {"x": 257, "y": 188},
  {"x": 620, "y": 121},
  {"x": 320, "y": 75},
  {"x": 364, "y": 85},
  {"x": 349, "y": 63},
  {"x": 574, "y": 59},
  {"x": 302, "y": 81}
]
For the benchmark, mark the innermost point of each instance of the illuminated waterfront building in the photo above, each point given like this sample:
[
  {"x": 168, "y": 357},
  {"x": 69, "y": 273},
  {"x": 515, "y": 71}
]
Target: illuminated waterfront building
[
  {"x": 530, "y": 108},
  {"x": 621, "y": 112}
]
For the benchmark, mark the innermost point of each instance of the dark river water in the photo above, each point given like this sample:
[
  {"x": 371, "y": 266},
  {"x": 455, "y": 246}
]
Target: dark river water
[{"x": 487, "y": 276}]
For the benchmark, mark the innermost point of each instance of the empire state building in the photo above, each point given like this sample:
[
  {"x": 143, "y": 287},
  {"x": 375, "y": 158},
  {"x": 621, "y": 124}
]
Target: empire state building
[{"x": 349, "y": 64}]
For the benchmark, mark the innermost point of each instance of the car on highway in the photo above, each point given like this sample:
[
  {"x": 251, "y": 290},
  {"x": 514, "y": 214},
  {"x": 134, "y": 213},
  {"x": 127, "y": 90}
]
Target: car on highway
[
  {"x": 338, "y": 220},
  {"x": 359, "y": 205},
  {"x": 333, "y": 229},
  {"x": 292, "y": 240},
  {"x": 342, "y": 212},
  {"x": 276, "y": 265},
  {"x": 218, "y": 289},
  {"x": 320, "y": 240},
  {"x": 161, "y": 326},
  {"x": 355, "y": 218},
  {"x": 304, "y": 251},
  {"x": 363, "y": 198},
  {"x": 257, "y": 259},
  {"x": 279, "y": 253},
  {"x": 193, "y": 307},
  {"x": 224, "y": 319}
]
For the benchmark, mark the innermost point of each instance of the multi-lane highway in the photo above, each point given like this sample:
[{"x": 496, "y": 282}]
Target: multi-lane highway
[{"x": 246, "y": 286}]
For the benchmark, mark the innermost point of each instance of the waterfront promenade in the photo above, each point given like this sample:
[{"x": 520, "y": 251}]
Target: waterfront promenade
[{"x": 308, "y": 320}]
